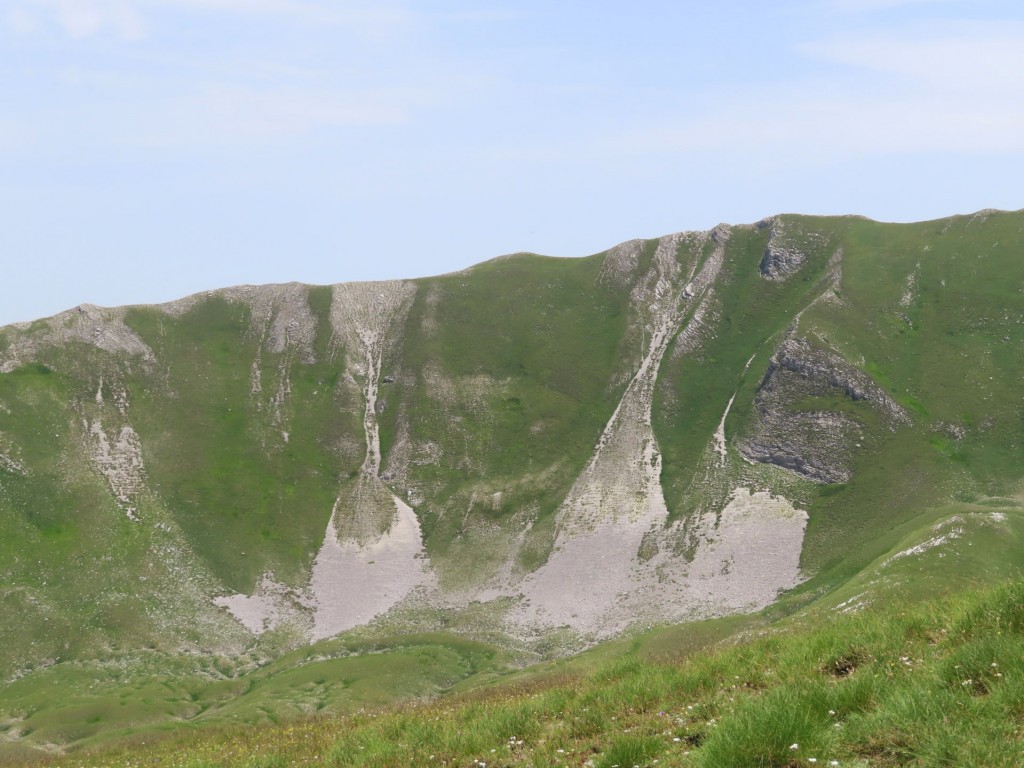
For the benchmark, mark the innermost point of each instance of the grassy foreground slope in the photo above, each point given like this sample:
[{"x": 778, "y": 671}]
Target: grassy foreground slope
[{"x": 939, "y": 683}]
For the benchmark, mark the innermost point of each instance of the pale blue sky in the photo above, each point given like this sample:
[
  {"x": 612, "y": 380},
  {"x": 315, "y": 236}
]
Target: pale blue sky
[{"x": 154, "y": 148}]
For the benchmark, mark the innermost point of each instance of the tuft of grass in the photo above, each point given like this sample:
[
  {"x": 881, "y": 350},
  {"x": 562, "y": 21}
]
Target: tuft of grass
[
  {"x": 784, "y": 727},
  {"x": 634, "y": 751}
]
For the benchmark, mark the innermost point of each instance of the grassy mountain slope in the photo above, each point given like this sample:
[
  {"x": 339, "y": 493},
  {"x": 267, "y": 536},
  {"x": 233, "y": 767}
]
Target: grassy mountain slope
[
  {"x": 506, "y": 375},
  {"x": 232, "y": 496}
]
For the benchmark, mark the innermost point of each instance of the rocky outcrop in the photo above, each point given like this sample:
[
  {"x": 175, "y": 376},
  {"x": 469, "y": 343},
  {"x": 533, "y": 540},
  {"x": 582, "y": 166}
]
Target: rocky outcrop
[
  {"x": 819, "y": 448},
  {"x": 825, "y": 370},
  {"x": 102, "y": 328},
  {"x": 118, "y": 457},
  {"x": 819, "y": 444},
  {"x": 621, "y": 262},
  {"x": 8, "y": 460},
  {"x": 787, "y": 249}
]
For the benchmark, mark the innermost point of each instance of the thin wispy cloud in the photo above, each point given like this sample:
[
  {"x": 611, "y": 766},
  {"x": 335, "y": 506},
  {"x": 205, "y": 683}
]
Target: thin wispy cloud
[
  {"x": 860, "y": 6},
  {"x": 84, "y": 18},
  {"x": 231, "y": 115},
  {"x": 159, "y": 96},
  {"x": 133, "y": 20},
  {"x": 20, "y": 21},
  {"x": 968, "y": 57},
  {"x": 371, "y": 16},
  {"x": 808, "y": 128},
  {"x": 913, "y": 91}
]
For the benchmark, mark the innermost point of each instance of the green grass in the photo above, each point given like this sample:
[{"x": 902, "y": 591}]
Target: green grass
[
  {"x": 128, "y": 698},
  {"x": 940, "y": 683}
]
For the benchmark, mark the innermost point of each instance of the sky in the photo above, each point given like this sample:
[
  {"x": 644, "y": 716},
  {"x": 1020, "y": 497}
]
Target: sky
[{"x": 150, "y": 149}]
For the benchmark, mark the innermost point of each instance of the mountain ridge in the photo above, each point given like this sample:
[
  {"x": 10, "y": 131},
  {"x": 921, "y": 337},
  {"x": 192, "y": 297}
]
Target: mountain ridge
[{"x": 539, "y": 452}]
